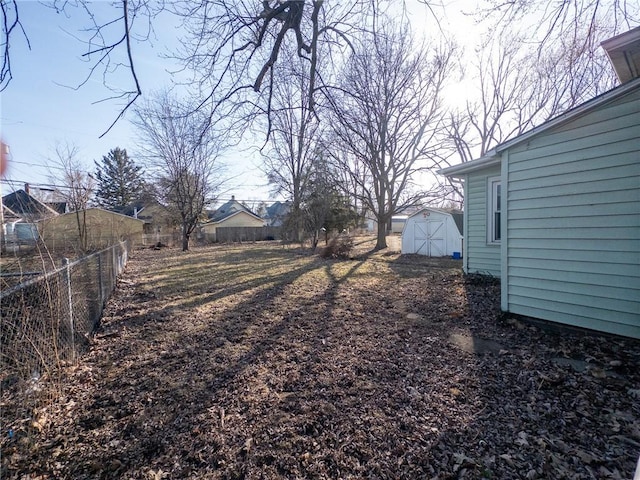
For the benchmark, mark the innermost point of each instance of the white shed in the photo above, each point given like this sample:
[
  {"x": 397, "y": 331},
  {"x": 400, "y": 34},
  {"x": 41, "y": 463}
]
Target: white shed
[{"x": 433, "y": 233}]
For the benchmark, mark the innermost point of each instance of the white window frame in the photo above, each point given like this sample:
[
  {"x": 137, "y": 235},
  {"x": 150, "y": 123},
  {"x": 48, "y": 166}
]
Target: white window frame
[{"x": 493, "y": 207}]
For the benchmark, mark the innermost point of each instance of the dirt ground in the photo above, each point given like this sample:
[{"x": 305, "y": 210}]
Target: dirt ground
[{"x": 259, "y": 362}]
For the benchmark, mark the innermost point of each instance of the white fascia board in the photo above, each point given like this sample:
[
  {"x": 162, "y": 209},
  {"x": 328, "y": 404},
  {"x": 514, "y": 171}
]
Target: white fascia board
[
  {"x": 621, "y": 40},
  {"x": 459, "y": 171}
]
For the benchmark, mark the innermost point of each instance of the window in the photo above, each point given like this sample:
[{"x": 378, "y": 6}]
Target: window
[{"x": 495, "y": 207}]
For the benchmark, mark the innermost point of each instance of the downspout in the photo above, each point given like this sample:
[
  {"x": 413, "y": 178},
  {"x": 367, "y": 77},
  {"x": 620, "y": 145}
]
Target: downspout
[
  {"x": 504, "y": 240},
  {"x": 465, "y": 226}
]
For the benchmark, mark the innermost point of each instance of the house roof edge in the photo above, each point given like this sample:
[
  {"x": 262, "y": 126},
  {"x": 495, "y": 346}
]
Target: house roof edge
[
  {"x": 461, "y": 169},
  {"x": 212, "y": 222},
  {"x": 494, "y": 156},
  {"x": 575, "y": 112}
]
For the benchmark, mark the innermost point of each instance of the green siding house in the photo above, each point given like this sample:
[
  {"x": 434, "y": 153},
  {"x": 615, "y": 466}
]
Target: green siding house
[{"x": 555, "y": 214}]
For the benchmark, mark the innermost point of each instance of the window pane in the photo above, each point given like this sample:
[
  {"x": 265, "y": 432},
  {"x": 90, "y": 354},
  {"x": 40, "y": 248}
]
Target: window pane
[{"x": 494, "y": 206}]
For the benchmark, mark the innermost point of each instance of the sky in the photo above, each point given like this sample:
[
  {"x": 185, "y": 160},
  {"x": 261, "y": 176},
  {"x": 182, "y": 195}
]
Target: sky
[{"x": 44, "y": 105}]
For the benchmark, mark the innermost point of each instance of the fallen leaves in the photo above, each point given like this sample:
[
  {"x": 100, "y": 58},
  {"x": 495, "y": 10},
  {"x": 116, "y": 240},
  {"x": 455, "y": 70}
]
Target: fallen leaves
[{"x": 259, "y": 362}]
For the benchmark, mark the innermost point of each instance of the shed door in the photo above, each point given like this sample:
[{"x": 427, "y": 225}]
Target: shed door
[{"x": 430, "y": 238}]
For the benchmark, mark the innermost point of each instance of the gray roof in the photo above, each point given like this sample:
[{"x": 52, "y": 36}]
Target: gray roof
[
  {"x": 228, "y": 209},
  {"x": 23, "y": 204},
  {"x": 277, "y": 212}
]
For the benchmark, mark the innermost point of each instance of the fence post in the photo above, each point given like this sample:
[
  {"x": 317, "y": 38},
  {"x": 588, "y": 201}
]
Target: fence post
[
  {"x": 67, "y": 265},
  {"x": 100, "y": 283}
]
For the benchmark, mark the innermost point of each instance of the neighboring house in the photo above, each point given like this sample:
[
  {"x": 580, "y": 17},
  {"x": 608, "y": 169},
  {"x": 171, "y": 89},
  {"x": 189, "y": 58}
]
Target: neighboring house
[
  {"x": 431, "y": 232},
  {"x": 27, "y": 207},
  {"x": 555, "y": 213},
  {"x": 231, "y": 214},
  {"x": 20, "y": 211},
  {"x": 277, "y": 213},
  {"x": 156, "y": 217},
  {"x": 58, "y": 207},
  {"x": 9, "y": 216},
  {"x": 103, "y": 228},
  {"x": 50, "y": 197}
]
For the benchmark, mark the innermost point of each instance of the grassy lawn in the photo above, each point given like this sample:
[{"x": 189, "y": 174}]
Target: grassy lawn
[{"x": 258, "y": 361}]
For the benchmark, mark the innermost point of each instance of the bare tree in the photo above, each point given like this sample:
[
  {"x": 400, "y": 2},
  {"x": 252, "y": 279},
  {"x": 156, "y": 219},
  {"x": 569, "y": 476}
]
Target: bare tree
[
  {"x": 292, "y": 147},
  {"x": 76, "y": 185},
  {"x": 385, "y": 120},
  {"x": 183, "y": 151},
  {"x": 231, "y": 46},
  {"x": 235, "y": 47},
  {"x": 10, "y": 23},
  {"x": 234, "y": 44},
  {"x": 572, "y": 22},
  {"x": 111, "y": 29},
  {"x": 294, "y": 162},
  {"x": 513, "y": 88}
]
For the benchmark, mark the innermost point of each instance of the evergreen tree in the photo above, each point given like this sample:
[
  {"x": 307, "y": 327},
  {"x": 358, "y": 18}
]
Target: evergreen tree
[
  {"x": 119, "y": 179},
  {"x": 324, "y": 207}
]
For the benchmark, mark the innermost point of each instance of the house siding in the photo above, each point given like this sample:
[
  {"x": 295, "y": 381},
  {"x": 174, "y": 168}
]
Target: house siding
[
  {"x": 573, "y": 221},
  {"x": 481, "y": 257},
  {"x": 241, "y": 219}
]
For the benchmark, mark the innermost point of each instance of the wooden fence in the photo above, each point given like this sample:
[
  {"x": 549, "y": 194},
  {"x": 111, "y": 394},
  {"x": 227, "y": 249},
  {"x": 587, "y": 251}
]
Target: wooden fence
[{"x": 244, "y": 234}]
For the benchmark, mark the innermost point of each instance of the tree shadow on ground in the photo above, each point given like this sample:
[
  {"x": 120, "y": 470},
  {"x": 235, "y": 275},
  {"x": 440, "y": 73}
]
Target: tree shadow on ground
[
  {"x": 192, "y": 381},
  {"x": 315, "y": 369}
]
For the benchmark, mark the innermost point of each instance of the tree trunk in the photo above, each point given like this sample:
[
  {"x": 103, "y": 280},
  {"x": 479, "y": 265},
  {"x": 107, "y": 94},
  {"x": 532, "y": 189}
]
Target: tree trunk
[
  {"x": 82, "y": 229},
  {"x": 185, "y": 241},
  {"x": 381, "y": 241}
]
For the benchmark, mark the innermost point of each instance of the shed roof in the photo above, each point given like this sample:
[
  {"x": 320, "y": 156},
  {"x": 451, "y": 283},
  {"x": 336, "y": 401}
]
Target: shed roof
[{"x": 457, "y": 216}]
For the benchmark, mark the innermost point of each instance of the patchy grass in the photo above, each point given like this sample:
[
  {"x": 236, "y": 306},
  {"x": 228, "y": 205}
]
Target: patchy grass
[{"x": 259, "y": 361}]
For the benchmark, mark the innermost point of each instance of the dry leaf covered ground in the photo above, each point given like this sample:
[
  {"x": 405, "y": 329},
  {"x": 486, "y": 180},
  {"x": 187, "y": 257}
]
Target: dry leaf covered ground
[{"x": 258, "y": 361}]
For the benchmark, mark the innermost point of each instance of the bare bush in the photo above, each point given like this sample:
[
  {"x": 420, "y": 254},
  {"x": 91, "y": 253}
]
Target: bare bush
[{"x": 339, "y": 247}]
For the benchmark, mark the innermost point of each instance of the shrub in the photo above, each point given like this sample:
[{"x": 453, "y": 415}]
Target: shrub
[{"x": 338, "y": 247}]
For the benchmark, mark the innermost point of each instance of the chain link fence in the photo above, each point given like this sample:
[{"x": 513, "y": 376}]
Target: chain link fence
[{"x": 46, "y": 321}]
